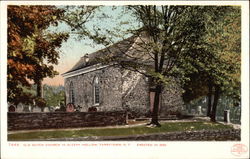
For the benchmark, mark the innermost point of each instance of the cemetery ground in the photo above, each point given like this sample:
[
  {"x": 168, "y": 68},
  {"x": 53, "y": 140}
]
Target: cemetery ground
[{"x": 134, "y": 128}]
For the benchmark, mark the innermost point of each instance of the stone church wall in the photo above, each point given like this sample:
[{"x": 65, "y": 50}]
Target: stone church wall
[
  {"x": 122, "y": 90},
  {"x": 172, "y": 102},
  {"x": 110, "y": 89},
  {"x": 136, "y": 100}
]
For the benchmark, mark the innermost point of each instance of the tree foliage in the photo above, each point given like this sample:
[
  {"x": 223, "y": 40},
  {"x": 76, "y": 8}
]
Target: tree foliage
[
  {"x": 224, "y": 39},
  {"x": 53, "y": 95},
  {"x": 31, "y": 50},
  {"x": 219, "y": 66}
]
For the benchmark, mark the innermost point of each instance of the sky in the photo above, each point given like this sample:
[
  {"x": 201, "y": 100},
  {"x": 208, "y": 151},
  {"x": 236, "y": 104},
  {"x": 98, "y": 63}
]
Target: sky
[{"x": 74, "y": 48}]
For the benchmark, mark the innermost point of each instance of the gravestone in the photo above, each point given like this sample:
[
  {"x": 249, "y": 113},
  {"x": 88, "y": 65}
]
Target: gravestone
[
  {"x": 19, "y": 108},
  {"x": 36, "y": 109},
  {"x": 26, "y": 108},
  {"x": 199, "y": 110},
  {"x": 12, "y": 108},
  {"x": 70, "y": 107},
  {"x": 204, "y": 110},
  {"x": 227, "y": 116},
  {"x": 46, "y": 109}
]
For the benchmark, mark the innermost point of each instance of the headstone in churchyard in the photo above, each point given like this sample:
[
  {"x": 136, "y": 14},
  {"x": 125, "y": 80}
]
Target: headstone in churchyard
[
  {"x": 46, "y": 109},
  {"x": 36, "y": 109},
  {"x": 52, "y": 109},
  {"x": 19, "y": 108},
  {"x": 203, "y": 110},
  {"x": 199, "y": 110},
  {"x": 227, "y": 116},
  {"x": 26, "y": 108},
  {"x": 12, "y": 108},
  {"x": 70, "y": 107}
]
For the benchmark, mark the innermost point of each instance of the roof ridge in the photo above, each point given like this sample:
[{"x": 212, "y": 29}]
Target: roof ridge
[
  {"x": 82, "y": 64},
  {"x": 112, "y": 45}
]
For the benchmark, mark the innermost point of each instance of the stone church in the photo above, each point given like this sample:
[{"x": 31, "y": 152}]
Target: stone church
[{"x": 90, "y": 85}]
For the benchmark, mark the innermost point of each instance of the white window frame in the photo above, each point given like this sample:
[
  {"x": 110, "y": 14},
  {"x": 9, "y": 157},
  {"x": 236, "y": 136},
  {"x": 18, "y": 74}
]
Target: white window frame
[
  {"x": 96, "y": 83},
  {"x": 71, "y": 93}
]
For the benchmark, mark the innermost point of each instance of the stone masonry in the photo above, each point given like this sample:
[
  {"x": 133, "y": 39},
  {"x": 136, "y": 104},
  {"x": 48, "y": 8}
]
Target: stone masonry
[
  {"x": 203, "y": 135},
  {"x": 110, "y": 89},
  {"x": 28, "y": 121},
  {"x": 121, "y": 90}
]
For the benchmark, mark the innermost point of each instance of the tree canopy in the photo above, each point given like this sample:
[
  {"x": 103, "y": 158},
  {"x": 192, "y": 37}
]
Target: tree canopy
[
  {"x": 31, "y": 50},
  {"x": 218, "y": 67}
]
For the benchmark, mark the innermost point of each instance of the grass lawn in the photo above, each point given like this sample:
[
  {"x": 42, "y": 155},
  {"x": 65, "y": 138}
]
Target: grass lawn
[{"x": 166, "y": 127}]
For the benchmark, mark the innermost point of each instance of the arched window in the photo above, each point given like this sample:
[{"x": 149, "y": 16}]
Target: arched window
[
  {"x": 71, "y": 93},
  {"x": 96, "y": 91}
]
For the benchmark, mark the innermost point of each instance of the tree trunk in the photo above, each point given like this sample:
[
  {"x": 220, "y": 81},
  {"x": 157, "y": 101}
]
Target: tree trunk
[
  {"x": 154, "y": 120},
  {"x": 210, "y": 93},
  {"x": 39, "y": 88},
  {"x": 216, "y": 99}
]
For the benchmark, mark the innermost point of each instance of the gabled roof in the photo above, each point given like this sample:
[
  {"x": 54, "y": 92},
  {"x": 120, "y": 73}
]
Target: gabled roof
[{"x": 116, "y": 49}]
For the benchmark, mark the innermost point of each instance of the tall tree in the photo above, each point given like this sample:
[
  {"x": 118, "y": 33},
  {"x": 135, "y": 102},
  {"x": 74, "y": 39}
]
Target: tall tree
[
  {"x": 165, "y": 47},
  {"x": 219, "y": 67},
  {"x": 45, "y": 53},
  {"x": 29, "y": 46},
  {"x": 224, "y": 38},
  {"x": 174, "y": 33}
]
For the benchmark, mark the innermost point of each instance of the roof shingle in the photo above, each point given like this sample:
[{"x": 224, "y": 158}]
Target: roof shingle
[{"x": 116, "y": 49}]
